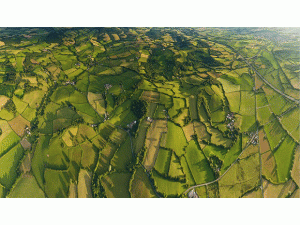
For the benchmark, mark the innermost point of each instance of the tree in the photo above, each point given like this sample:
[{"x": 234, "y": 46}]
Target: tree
[
  {"x": 139, "y": 108},
  {"x": 10, "y": 106}
]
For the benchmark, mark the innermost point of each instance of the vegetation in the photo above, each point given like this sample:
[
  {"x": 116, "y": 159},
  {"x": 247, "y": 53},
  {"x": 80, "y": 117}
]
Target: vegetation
[{"x": 149, "y": 112}]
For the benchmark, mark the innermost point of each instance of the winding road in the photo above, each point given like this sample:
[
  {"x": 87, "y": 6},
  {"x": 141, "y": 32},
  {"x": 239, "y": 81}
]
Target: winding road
[
  {"x": 262, "y": 77},
  {"x": 219, "y": 178}
]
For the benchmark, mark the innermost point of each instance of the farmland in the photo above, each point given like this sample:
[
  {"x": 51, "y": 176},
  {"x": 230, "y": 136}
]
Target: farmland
[{"x": 149, "y": 113}]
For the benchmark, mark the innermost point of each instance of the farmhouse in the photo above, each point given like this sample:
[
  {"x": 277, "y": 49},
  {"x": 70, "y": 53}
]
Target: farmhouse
[{"x": 193, "y": 194}]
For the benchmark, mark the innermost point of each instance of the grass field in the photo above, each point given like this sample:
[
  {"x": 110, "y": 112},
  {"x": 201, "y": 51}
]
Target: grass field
[
  {"x": 187, "y": 171},
  {"x": 141, "y": 136},
  {"x": 8, "y": 165},
  {"x": 162, "y": 163},
  {"x": 38, "y": 160},
  {"x": 33, "y": 98},
  {"x": 168, "y": 188},
  {"x": 248, "y": 168},
  {"x": 248, "y": 123},
  {"x": 105, "y": 157},
  {"x": 232, "y": 154},
  {"x": 269, "y": 167},
  {"x": 217, "y": 138},
  {"x": 175, "y": 169},
  {"x": 26, "y": 187},
  {"x": 140, "y": 186},
  {"x": 123, "y": 156},
  {"x": 89, "y": 155},
  {"x": 176, "y": 139},
  {"x": 20, "y": 105},
  {"x": 247, "y": 107},
  {"x": 264, "y": 115},
  {"x": 8, "y": 137},
  {"x": 193, "y": 107},
  {"x": 188, "y": 131},
  {"x": 201, "y": 131},
  {"x": 29, "y": 114},
  {"x": 116, "y": 185},
  {"x": 283, "y": 156},
  {"x": 198, "y": 164},
  {"x": 290, "y": 122},
  {"x": 218, "y": 151},
  {"x": 229, "y": 86},
  {"x": 56, "y": 183},
  {"x": 274, "y": 132},
  {"x": 56, "y": 155}
]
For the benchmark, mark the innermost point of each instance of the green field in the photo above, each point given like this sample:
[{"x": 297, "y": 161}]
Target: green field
[
  {"x": 8, "y": 165},
  {"x": 162, "y": 163},
  {"x": 175, "y": 169},
  {"x": 56, "y": 183},
  {"x": 175, "y": 139},
  {"x": 26, "y": 187},
  {"x": 166, "y": 187},
  {"x": 116, "y": 185},
  {"x": 198, "y": 164},
  {"x": 146, "y": 112},
  {"x": 283, "y": 157},
  {"x": 275, "y": 133},
  {"x": 140, "y": 186}
]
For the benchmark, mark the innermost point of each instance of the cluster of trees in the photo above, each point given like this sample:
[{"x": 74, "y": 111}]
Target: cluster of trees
[
  {"x": 10, "y": 106},
  {"x": 162, "y": 62},
  {"x": 97, "y": 188},
  {"x": 139, "y": 108},
  {"x": 215, "y": 164}
]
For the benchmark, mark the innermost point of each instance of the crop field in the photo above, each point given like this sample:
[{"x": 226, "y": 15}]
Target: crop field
[
  {"x": 152, "y": 142},
  {"x": 84, "y": 184},
  {"x": 18, "y": 124},
  {"x": 278, "y": 190},
  {"x": 148, "y": 112}
]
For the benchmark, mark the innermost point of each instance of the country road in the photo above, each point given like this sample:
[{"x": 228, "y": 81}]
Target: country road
[
  {"x": 262, "y": 77},
  {"x": 219, "y": 178}
]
